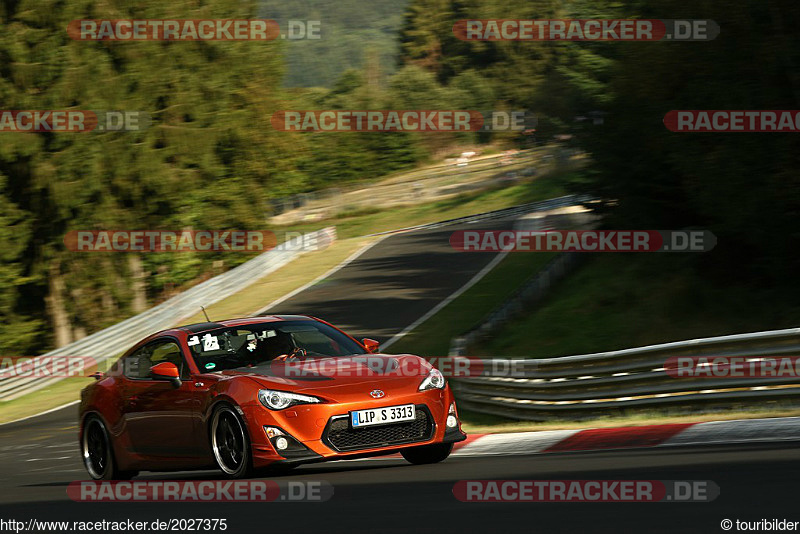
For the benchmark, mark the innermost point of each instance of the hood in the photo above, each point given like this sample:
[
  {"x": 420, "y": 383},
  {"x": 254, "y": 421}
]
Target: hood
[{"x": 388, "y": 372}]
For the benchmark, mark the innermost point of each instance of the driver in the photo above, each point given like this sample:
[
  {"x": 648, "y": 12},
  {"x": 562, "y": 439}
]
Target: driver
[{"x": 280, "y": 347}]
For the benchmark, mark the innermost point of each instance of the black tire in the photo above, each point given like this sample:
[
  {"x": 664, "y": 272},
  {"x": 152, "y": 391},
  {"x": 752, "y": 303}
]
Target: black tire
[
  {"x": 428, "y": 454},
  {"x": 230, "y": 443},
  {"x": 98, "y": 454}
]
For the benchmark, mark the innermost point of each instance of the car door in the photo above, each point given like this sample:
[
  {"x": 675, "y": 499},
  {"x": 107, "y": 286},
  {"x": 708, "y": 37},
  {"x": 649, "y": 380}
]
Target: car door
[{"x": 159, "y": 418}]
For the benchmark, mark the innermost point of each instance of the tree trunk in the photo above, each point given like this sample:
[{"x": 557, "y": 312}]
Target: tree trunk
[
  {"x": 138, "y": 276},
  {"x": 62, "y": 329}
]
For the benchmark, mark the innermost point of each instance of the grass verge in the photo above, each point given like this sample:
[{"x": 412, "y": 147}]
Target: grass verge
[{"x": 617, "y": 301}]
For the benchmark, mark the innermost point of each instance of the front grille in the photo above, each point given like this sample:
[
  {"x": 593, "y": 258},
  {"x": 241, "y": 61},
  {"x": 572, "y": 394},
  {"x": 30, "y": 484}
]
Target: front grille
[{"x": 341, "y": 437}]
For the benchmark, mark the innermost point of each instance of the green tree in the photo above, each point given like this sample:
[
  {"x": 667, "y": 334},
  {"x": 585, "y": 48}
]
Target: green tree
[{"x": 19, "y": 334}]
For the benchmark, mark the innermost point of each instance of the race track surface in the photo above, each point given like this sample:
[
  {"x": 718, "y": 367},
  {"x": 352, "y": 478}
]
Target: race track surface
[
  {"x": 390, "y": 495},
  {"x": 393, "y": 283}
]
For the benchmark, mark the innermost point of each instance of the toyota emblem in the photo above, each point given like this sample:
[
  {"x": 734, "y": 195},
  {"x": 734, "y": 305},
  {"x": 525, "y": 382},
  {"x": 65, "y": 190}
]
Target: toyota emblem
[{"x": 376, "y": 393}]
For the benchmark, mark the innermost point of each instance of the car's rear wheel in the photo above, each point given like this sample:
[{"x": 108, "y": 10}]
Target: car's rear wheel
[
  {"x": 98, "y": 455},
  {"x": 230, "y": 443},
  {"x": 428, "y": 454}
]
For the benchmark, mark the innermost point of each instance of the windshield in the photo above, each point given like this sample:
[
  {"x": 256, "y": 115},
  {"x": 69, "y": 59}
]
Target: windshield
[{"x": 251, "y": 345}]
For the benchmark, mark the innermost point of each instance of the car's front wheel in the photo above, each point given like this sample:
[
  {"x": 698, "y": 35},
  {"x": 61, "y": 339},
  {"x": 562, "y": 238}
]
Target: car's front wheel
[
  {"x": 230, "y": 443},
  {"x": 428, "y": 454},
  {"x": 98, "y": 455}
]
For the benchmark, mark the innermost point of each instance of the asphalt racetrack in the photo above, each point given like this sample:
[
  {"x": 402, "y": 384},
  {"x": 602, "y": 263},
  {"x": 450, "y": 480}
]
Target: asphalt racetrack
[
  {"x": 378, "y": 295},
  {"x": 393, "y": 283},
  {"x": 40, "y": 458}
]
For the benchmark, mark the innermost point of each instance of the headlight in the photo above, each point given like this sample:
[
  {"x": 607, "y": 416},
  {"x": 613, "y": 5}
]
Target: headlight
[
  {"x": 278, "y": 400},
  {"x": 434, "y": 380}
]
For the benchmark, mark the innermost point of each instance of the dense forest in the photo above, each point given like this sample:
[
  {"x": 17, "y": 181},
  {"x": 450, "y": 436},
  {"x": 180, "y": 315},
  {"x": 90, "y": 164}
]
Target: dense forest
[
  {"x": 210, "y": 159},
  {"x": 742, "y": 186},
  {"x": 352, "y": 33}
]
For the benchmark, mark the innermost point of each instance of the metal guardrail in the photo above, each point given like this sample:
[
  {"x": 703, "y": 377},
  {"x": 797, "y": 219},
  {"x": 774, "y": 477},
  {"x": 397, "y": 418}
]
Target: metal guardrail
[
  {"x": 109, "y": 342},
  {"x": 543, "y": 205},
  {"x": 607, "y": 382}
]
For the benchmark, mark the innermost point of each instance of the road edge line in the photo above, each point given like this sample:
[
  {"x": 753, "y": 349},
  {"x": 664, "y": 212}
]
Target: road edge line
[
  {"x": 51, "y": 410},
  {"x": 457, "y": 293}
]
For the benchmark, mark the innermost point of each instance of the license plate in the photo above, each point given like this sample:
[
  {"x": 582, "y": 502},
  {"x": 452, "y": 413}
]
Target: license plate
[{"x": 382, "y": 416}]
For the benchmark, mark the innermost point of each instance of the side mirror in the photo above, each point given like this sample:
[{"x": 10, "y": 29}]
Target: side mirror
[
  {"x": 371, "y": 345},
  {"x": 166, "y": 371}
]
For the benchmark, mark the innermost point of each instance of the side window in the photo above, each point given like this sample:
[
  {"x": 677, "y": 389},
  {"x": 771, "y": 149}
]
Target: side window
[{"x": 138, "y": 364}]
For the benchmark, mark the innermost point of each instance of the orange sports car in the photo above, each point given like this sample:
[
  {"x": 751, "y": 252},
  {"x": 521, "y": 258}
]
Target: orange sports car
[{"x": 245, "y": 394}]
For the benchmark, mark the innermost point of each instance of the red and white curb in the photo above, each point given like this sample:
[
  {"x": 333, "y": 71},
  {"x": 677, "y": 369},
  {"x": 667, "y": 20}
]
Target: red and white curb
[{"x": 777, "y": 429}]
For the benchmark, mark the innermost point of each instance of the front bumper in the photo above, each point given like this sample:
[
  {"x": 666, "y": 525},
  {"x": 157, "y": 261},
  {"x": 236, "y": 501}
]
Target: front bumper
[{"x": 320, "y": 431}]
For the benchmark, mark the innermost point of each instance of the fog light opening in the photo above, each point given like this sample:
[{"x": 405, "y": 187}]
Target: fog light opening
[
  {"x": 285, "y": 444},
  {"x": 452, "y": 420}
]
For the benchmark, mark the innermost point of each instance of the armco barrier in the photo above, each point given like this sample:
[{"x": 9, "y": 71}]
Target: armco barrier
[
  {"x": 111, "y": 341},
  {"x": 608, "y": 382}
]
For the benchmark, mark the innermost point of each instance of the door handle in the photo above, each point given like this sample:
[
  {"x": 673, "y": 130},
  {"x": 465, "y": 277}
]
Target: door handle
[{"x": 199, "y": 384}]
